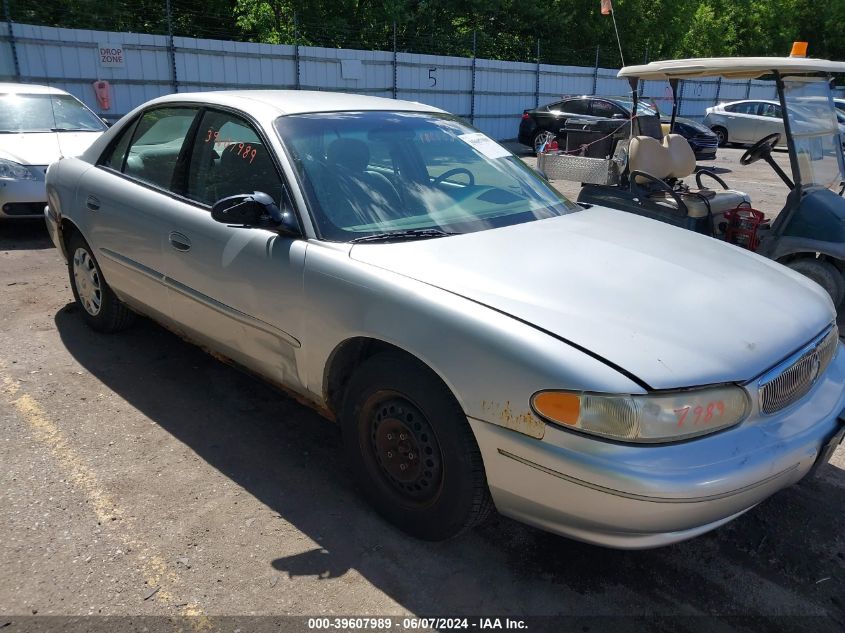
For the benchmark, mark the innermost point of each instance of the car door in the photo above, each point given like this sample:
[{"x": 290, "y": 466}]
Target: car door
[
  {"x": 745, "y": 122},
  {"x": 124, "y": 199},
  {"x": 770, "y": 122},
  {"x": 235, "y": 289}
]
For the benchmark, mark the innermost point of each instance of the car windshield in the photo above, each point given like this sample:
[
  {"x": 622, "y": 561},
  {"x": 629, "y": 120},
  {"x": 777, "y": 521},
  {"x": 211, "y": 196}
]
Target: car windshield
[
  {"x": 46, "y": 113},
  {"x": 415, "y": 174},
  {"x": 815, "y": 131}
]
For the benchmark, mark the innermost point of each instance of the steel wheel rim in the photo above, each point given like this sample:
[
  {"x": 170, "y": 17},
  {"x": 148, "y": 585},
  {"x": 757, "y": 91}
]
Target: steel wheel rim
[
  {"x": 541, "y": 139},
  {"x": 86, "y": 278},
  {"x": 720, "y": 136},
  {"x": 405, "y": 450}
]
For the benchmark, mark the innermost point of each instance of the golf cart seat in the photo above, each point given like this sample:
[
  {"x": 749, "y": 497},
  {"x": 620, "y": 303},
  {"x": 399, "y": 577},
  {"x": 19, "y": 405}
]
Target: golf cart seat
[{"x": 674, "y": 159}]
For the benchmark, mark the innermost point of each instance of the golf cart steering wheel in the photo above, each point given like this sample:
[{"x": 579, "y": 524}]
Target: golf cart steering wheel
[
  {"x": 454, "y": 172},
  {"x": 760, "y": 149}
]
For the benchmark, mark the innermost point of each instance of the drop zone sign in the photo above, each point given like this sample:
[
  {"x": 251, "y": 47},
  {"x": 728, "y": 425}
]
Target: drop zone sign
[{"x": 111, "y": 55}]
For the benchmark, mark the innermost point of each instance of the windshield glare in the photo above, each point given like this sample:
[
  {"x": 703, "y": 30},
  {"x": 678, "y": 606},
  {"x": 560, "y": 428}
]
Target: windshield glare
[
  {"x": 44, "y": 112},
  {"x": 367, "y": 173},
  {"x": 815, "y": 131}
]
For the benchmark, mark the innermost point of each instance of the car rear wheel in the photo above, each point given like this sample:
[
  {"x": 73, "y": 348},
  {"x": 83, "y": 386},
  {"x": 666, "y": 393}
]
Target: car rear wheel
[
  {"x": 411, "y": 450},
  {"x": 823, "y": 273},
  {"x": 721, "y": 135},
  {"x": 101, "y": 309},
  {"x": 541, "y": 137}
]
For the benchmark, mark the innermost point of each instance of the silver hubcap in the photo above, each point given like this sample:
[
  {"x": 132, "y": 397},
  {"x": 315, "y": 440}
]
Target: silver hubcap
[
  {"x": 542, "y": 138},
  {"x": 87, "y": 281}
]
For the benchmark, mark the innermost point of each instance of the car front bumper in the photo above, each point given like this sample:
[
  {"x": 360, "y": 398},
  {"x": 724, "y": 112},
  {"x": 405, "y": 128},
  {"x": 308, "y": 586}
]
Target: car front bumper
[
  {"x": 636, "y": 497},
  {"x": 23, "y": 199}
]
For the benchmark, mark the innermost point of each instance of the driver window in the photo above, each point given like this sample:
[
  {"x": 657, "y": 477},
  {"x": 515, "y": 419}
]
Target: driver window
[
  {"x": 228, "y": 159},
  {"x": 770, "y": 110}
]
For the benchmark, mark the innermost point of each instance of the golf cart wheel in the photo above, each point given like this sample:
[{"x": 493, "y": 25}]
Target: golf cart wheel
[
  {"x": 411, "y": 451},
  {"x": 823, "y": 273},
  {"x": 541, "y": 137},
  {"x": 721, "y": 135},
  {"x": 101, "y": 309}
]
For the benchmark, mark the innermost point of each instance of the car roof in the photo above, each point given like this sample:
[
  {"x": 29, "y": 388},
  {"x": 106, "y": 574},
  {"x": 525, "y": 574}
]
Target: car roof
[
  {"x": 772, "y": 101},
  {"x": 295, "y": 101},
  {"x": 730, "y": 67},
  {"x": 31, "y": 89}
]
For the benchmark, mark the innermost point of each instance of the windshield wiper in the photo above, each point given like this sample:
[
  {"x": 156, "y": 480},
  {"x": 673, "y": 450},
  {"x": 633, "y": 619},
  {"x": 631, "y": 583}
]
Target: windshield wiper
[
  {"x": 72, "y": 129},
  {"x": 406, "y": 234}
]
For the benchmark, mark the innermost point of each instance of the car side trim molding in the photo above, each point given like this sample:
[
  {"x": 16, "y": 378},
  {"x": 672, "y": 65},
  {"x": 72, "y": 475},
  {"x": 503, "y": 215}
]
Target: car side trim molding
[
  {"x": 630, "y": 495},
  {"x": 201, "y": 298},
  {"x": 230, "y": 312},
  {"x": 132, "y": 265}
]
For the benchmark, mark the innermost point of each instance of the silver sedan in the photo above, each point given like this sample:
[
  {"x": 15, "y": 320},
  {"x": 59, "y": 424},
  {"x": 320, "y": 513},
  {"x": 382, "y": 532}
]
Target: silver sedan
[{"x": 481, "y": 340}]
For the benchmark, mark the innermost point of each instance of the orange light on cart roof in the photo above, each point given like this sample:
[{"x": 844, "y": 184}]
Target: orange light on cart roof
[
  {"x": 799, "y": 49},
  {"x": 560, "y": 407}
]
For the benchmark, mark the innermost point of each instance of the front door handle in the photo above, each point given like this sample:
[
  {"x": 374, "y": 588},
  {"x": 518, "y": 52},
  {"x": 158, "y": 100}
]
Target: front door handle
[
  {"x": 93, "y": 203},
  {"x": 179, "y": 242}
]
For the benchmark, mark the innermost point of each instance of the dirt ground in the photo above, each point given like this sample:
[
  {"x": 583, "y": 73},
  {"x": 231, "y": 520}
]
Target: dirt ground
[{"x": 141, "y": 476}]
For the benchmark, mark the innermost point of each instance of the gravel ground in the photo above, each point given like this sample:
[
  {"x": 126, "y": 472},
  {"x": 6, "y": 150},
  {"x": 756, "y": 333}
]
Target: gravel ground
[{"x": 143, "y": 477}]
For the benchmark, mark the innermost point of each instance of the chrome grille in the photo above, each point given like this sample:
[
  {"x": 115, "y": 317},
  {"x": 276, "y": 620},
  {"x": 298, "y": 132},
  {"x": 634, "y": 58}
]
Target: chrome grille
[{"x": 791, "y": 380}]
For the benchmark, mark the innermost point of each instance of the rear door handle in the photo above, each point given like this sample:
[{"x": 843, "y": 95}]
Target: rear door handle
[
  {"x": 93, "y": 203},
  {"x": 179, "y": 242}
]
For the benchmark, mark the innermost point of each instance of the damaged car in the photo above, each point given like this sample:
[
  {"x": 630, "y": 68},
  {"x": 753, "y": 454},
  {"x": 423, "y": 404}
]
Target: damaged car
[{"x": 482, "y": 341}]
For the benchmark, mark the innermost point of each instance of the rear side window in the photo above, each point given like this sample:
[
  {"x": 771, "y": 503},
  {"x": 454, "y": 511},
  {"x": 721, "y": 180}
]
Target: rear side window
[
  {"x": 576, "y": 106},
  {"x": 228, "y": 159},
  {"x": 156, "y": 145},
  {"x": 749, "y": 107}
]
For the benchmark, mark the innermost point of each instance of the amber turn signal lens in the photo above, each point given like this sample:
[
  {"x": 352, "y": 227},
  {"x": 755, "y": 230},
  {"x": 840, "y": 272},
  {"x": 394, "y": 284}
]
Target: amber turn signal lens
[
  {"x": 799, "y": 49},
  {"x": 560, "y": 407}
]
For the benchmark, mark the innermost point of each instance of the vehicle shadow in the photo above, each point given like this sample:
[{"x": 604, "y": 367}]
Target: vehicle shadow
[
  {"x": 287, "y": 457},
  {"x": 24, "y": 235}
]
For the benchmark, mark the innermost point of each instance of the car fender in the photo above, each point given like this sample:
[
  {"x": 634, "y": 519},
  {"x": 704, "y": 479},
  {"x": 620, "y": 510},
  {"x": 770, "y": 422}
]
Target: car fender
[{"x": 491, "y": 362}]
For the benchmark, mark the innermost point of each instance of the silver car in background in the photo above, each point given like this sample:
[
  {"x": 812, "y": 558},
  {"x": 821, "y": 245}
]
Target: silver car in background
[
  {"x": 38, "y": 125},
  {"x": 481, "y": 340},
  {"x": 746, "y": 122}
]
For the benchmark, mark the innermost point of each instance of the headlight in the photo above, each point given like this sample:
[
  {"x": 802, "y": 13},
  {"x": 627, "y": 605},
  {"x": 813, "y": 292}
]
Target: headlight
[
  {"x": 657, "y": 417},
  {"x": 11, "y": 170}
]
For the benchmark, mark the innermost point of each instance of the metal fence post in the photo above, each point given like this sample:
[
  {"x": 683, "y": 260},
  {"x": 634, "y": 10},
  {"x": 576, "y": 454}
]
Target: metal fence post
[
  {"x": 12, "y": 43},
  {"x": 296, "y": 69},
  {"x": 683, "y": 84},
  {"x": 718, "y": 91},
  {"x": 748, "y": 89},
  {"x": 395, "y": 65},
  {"x": 171, "y": 51},
  {"x": 472, "y": 85},
  {"x": 537, "y": 78},
  {"x": 596, "y": 72}
]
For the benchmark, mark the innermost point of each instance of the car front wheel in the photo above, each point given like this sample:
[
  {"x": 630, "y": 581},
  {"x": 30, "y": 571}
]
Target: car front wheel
[
  {"x": 101, "y": 309},
  {"x": 823, "y": 273},
  {"x": 411, "y": 450},
  {"x": 721, "y": 135}
]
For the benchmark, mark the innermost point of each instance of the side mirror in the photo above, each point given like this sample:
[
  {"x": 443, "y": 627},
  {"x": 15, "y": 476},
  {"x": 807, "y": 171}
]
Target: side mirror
[
  {"x": 255, "y": 209},
  {"x": 618, "y": 115}
]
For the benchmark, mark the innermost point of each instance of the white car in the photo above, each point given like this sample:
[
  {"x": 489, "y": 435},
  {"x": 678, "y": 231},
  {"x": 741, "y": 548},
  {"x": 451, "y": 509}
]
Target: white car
[
  {"x": 746, "y": 122},
  {"x": 38, "y": 125}
]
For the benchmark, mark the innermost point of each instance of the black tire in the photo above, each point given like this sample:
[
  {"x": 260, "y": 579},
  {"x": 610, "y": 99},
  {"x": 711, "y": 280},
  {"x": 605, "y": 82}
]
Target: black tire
[
  {"x": 721, "y": 135},
  {"x": 110, "y": 314},
  {"x": 823, "y": 273},
  {"x": 392, "y": 407}
]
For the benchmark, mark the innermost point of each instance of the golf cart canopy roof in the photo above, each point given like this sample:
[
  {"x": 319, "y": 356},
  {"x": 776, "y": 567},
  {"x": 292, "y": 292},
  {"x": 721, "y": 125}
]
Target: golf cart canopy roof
[{"x": 730, "y": 67}]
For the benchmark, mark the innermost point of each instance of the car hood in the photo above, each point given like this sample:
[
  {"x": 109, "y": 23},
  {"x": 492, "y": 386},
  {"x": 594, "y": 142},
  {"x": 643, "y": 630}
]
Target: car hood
[
  {"x": 674, "y": 308},
  {"x": 43, "y": 148}
]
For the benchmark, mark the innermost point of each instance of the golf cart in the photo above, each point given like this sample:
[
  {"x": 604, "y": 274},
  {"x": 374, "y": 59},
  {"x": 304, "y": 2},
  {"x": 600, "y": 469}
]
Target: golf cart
[{"x": 645, "y": 175}]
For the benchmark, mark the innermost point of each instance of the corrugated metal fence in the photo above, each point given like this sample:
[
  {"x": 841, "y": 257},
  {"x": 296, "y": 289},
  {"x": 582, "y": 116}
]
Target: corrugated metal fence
[{"x": 491, "y": 94}]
